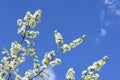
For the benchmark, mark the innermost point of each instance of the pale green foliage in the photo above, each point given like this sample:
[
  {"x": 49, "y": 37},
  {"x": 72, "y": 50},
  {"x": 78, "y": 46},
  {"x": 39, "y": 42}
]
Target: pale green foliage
[{"x": 19, "y": 50}]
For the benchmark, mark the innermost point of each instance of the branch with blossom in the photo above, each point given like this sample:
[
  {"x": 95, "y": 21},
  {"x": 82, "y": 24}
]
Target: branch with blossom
[{"x": 20, "y": 50}]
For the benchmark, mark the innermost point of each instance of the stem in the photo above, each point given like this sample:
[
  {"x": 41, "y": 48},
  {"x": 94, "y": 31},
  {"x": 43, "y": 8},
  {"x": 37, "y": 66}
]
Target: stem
[
  {"x": 58, "y": 51},
  {"x": 37, "y": 74},
  {"x": 9, "y": 76},
  {"x": 23, "y": 38}
]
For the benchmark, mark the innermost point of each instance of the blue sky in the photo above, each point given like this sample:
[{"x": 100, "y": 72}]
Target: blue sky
[{"x": 99, "y": 19}]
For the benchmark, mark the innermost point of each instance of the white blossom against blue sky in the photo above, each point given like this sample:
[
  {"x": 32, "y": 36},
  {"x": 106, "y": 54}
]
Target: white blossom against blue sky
[{"x": 99, "y": 19}]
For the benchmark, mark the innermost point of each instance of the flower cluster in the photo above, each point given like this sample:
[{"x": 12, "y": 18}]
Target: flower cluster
[
  {"x": 11, "y": 61},
  {"x": 29, "y": 43},
  {"x": 15, "y": 49},
  {"x": 26, "y": 77},
  {"x": 75, "y": 43},
  {"x": 36, "y": 62},
  {"x": 32, "y": 34},
  {"x": 19, "y": 50},
  {"x": 28, "y": 51},
  {"x": 58, "y": 38},
  {"x": 89, "y": 73},
  {"x": 48, "y": 60},
  {"x": 70, "y": 74},
  {"x": 55, "y": 62},
  {"x": 30, "y": 21},
  {"x": 3, "y": 67}
]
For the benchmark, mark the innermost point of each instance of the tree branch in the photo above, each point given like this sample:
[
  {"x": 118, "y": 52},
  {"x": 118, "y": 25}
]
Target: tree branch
[
  {"x": 58, "y": 51},
  {"x": 22, "y": 40}
]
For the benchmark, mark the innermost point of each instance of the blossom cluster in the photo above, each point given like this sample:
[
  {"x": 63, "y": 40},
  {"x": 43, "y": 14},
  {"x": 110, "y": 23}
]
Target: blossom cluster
[
  {"x": 30, "y": 21},
  {"x": 11, "y": 61},
  {"x": 75, "y": 43},
  {"x": 70, "y": 75},
  {"x": 90, "y": 74},
  {"x": 15, "y": 49},
  {"x": 20, "y": 50},
  {"x": 58, "y": 38},
  {"x": 67, "y": 47}
]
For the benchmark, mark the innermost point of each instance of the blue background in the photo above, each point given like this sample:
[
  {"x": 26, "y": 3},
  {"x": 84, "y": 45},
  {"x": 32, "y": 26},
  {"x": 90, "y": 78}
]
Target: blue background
[{"x": 72, "y": 18}]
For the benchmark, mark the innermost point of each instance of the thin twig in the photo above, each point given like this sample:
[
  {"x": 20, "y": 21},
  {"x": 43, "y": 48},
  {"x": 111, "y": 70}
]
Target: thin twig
[
  {"x": 9, "y": 76},
  {"x": 58, "y": 51},
  {"x": 22, "y": 40}
]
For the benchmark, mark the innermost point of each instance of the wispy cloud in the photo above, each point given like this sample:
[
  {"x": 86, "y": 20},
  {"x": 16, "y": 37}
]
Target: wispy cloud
[
  {"x": 110, "y": 18},
  {"x": 109, "y": 1},
  {"x": 49, "y": 71},
  {"x": 103, "y": 32},
  {"x": 117, "y": 11},
  {"x": 113, "y": 6},
  {"x": 52, "y": 75},
  {"x": 102, "y": 15},
  {"x": 97, "y": 40}
]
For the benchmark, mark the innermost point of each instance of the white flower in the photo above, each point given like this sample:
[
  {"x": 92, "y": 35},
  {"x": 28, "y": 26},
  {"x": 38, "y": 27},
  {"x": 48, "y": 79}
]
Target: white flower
[
  {"x": 28, "y": 73},
  {"x": 1, "y": 78},
  {"x": 52, "y": 53},
  {"x": 105, "y": 58},
  {"x": 70, "y": 74},
  {"x": 58, "y": 60},
  {"x": 5, "y": 52},
  {"x": 37, "y": 15},
  {"x": 66, "y": 47},
  {"x": 76, "y": 42},
  {"x": 21, "y": 60},
  {"x": 32, "y": 34},
  {"x": 28, "y": 16},
  {"x": 95, "y": 67},
  {"x": 19, "y": 22},
  {"x": 58, "y": 38},
  {"x": 29, "y": 43},
  {"x": 15, "y": 48},
  {"x": 36, "y": 71},
  {"x": 29, "y": 51},
  {"x": 32, "y": 23},
  {"x": 84, "y": 36},
  {"x": 55, "y": 62},
  {"x": 13, "y": 64},
  {"x": 96, "y": 76},
  {"x": 18, "y": 77},
  {"x": 45, "y": 61},
  {"x": 21, "y": 30},
  {"x": 48, "y": 56},
  {"x": 84, "y": 72},
  {"x": 90, "y": 68},
  {"x": 36, "y": 65}
]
